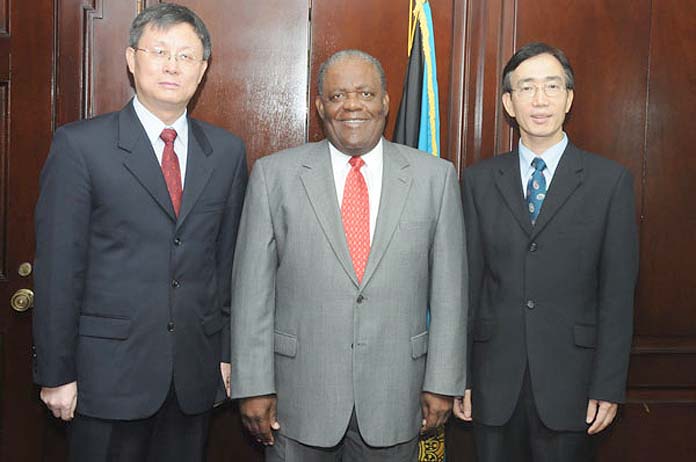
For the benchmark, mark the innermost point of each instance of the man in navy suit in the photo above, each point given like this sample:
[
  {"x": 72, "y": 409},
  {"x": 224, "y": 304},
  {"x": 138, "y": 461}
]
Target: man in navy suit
[
  {"x": 136, "y": 226},
  {"x": 553, "y": 259}
]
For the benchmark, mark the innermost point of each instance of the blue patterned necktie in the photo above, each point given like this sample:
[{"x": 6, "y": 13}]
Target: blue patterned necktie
[{"x": 536, "y": 189}]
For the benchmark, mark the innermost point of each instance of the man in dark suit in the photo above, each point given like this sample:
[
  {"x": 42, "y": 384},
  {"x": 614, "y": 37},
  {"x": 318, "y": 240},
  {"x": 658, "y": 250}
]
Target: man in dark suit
[
  {"x": 552, "y": 244},
  {"x": 136, "y": 225}
]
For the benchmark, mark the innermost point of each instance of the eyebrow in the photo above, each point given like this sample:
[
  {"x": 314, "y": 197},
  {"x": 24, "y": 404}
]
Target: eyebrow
[{"x": 546, "y": 79}]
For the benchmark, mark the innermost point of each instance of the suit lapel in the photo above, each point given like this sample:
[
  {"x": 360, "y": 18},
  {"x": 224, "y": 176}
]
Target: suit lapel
[
  {"x": 396, "y": 182},
  {"x": 317, "y": 178},
  {"x": 141, "y": 160},
  {"x": 509, "y": 185},
  {"x": 566, "y": 179},
  {"x": 198, "y": 170}
]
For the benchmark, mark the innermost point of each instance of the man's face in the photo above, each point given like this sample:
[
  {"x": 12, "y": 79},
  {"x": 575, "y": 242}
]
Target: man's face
[
  {"x": 353, "y": 107},
  {"x": 539, "y": 116},
  {"x": 165, "y": 85}
]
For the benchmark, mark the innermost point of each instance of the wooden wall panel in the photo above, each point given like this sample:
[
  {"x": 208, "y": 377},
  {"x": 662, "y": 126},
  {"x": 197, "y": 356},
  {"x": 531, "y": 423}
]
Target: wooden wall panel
[
  {"x": 256, "y": 85},
  {"x": 607, "y": 43},
  {"x": 26, "y": 54},
  {"x": 489, "y": 43},
  {"x": 668, "y": 255},
  {"x": 383, "y": 32}
]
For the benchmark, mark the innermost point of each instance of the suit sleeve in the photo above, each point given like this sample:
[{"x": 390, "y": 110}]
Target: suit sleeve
[
  {"x": 62, "y": 219},
  {"x": 475, "y": 264},
  {"x": 618, "y": 269},
  {"x": 253, "y": 294},
  {"x": 226, "y": 244},
  {"x": 445, "y": 367}
]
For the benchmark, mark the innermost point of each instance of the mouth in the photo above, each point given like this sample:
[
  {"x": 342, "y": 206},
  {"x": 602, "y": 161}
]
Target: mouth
[
  {"x": 540, "y": 118},
  {"x": 170, "y": 85},
  {"x": 353, "y": 122}
]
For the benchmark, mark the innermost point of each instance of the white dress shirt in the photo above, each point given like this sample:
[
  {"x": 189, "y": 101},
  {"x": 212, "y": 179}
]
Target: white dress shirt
[
  {"x": 154, "y": 126},
  {"x": 551, "y": 157},
  {"x": 371, "y": 171}
]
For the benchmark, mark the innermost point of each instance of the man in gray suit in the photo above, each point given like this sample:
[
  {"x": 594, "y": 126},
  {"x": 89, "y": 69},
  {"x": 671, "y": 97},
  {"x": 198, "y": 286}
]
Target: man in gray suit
[{"x": 347, "y": 244}]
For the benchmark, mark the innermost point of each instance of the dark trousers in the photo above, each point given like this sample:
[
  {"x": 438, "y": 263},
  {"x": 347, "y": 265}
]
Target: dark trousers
[
  {"x": 525, "y": 438},
  {"x": 168, "y": 436},
  {"x": 352, "y": 448}
]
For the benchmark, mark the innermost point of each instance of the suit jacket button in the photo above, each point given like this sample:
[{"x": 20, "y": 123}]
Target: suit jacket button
[
  {"x": 170, "y": 327},
  {"x": 531, "y": 304},
  {"x": 175, "y": 284},
  {"x": 361, "y": 298},
  {"x": 533, "y": 247},
  {"x": 177, "y": 242}
]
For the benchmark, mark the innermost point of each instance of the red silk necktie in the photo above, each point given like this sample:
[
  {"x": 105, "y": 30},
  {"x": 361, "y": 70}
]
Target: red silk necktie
[
  {"x": 170, "y": 168},
  {"x": 355, "y": 213}
]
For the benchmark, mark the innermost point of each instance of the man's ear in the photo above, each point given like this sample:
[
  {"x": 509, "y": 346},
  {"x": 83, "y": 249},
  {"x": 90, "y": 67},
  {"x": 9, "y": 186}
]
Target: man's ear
[
  {"x": 130, "y": 59},
  {"x": 569, "y": 100},
  {"x": 507, "y": 104},
  {"x": 319, "y": 104}
]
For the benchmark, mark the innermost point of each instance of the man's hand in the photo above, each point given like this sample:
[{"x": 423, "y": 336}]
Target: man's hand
[
  {"x": 462, "y": 406},
  {"x": 436, "y": 410},
  {"x": 226, "y": 370},
  {"x": 602, "y": 412},
  {"x": 61, "y": 400},
  {"x": 259, "y": 417}
]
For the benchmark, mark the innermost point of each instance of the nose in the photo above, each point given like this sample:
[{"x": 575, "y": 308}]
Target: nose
[
  {"x": 171, "y": 65},
  {"x": 352, "y": 101},
  {"x": 540, "y": 98}
]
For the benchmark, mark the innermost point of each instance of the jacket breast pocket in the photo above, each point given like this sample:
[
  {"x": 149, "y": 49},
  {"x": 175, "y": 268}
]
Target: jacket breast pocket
[
  {"x": 104, "y": 327},
  {"x": 285, "y": 344}
]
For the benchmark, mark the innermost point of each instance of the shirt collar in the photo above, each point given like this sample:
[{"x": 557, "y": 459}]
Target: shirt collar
[
  {"x": 371, "y": 159},
  {"x": 154, "y": 126},
  {"x": 551, "y": 156}
]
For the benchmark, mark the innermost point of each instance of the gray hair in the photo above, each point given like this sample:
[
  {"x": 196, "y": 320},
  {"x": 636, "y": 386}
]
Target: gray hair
[
  {"x": 343, "y": 54},
  {"x": 164, "y": 16}
]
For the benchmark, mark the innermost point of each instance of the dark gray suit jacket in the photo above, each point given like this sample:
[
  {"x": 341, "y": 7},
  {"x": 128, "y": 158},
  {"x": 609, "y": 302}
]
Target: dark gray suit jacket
[
  {"x": 556, "y": 297},
  {"x": 128, "y": 297}
]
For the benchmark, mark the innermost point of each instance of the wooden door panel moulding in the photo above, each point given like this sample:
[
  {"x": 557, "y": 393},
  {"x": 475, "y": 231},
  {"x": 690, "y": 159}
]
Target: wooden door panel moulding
[
  {"x": 661, "y": 396},
  {"x": 490, "y": 41},
  {"x": 4, "y": 18},
  {"x": 664, "y": 345},
  {"x": 456, "y": 94},
  {"x": 4, "y": 172},
  {"x": 94, "y": 9}
]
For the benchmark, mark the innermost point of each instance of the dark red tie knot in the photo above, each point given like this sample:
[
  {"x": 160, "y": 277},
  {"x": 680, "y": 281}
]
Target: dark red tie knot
[
  {"x": 168, "y": 135},
  {"x": 356, "y": 162}
]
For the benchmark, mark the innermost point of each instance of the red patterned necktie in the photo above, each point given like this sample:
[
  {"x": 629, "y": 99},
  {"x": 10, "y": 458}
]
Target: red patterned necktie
[
  {"x": 355, "y": 213},
  {"x": 170, "y": 168}
]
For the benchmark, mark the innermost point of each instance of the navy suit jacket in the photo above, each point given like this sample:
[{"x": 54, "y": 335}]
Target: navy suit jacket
[
  {"x": 130, "y": 298},
  {"x": 556, "y": 297}
]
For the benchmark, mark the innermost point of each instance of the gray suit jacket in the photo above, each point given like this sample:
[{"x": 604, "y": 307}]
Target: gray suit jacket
[{"x": 302, "y": 326}]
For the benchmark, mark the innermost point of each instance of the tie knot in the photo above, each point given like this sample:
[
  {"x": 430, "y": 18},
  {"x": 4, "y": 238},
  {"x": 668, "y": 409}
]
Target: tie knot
[
  {"x": 539, "y": 164},
  {"x": 168, "y": 135},
  {"x": 356, "y": 162}
]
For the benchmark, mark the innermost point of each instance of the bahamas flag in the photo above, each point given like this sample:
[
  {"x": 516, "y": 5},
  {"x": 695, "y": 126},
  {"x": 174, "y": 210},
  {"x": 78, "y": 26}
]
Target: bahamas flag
[{"x": 418, "y": 126}]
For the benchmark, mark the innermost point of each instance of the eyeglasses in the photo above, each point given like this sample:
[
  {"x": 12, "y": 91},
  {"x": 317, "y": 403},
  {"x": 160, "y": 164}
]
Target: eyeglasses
[
  {"x": 160, "y": 56},
  {"x": 529, "y": 90}
]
